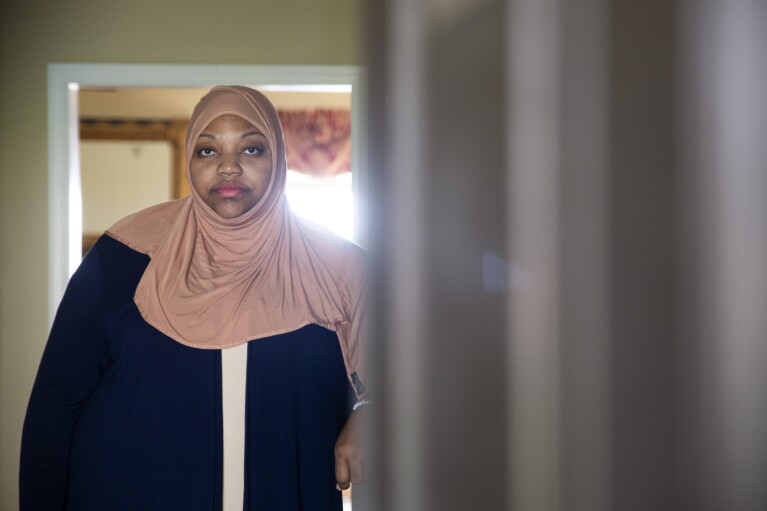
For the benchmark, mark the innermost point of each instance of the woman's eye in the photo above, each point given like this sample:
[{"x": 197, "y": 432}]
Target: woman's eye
[
  {"x": 253, "y": 151},
  {"x": 206, "y": 151}
]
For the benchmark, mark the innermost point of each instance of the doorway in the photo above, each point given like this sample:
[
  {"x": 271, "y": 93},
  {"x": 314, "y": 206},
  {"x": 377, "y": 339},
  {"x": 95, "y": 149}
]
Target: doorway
[{"x": 64, "y": 183}]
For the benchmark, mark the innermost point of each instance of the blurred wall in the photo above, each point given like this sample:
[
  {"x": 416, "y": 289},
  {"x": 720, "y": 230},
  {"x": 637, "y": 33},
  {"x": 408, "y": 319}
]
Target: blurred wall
[
  {"x": 34, "y": 33},
  {"x": 569, "y": 236}
]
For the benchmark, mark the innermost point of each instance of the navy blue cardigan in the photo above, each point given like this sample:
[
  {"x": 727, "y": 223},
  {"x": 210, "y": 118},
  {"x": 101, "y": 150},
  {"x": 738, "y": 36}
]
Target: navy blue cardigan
[{"x": 122, "y": 417}]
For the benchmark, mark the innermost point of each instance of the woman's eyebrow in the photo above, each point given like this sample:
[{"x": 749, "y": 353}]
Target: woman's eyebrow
[{"x": 206, "y": 135}]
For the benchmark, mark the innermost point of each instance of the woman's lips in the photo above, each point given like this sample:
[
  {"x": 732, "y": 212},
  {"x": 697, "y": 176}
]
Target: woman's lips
[{"x": 229, "y": 189}]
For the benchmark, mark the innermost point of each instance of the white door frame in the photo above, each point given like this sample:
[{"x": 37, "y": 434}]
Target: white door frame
[{"x": 64, "y": 80}]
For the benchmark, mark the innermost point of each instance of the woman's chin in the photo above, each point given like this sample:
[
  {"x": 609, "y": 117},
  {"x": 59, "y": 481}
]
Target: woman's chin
[{"x": 230, "y": 208}]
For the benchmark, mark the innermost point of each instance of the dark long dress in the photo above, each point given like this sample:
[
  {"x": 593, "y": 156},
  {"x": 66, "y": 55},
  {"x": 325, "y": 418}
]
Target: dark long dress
[{"x": 122, "y": 417}]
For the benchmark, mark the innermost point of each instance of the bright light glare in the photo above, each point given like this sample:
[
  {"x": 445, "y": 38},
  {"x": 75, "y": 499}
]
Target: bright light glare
[{"x": 327, "y": 201}]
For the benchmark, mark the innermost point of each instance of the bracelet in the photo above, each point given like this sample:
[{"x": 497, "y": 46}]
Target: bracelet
[{"x": 361, "y": 403}]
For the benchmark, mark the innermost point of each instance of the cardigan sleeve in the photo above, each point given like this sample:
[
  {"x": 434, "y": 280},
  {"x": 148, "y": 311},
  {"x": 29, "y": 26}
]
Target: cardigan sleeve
[{"x": 72, "y": 363}]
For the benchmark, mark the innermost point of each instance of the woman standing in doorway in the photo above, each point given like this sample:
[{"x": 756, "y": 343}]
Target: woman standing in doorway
[{"x": 208, "y": 350}]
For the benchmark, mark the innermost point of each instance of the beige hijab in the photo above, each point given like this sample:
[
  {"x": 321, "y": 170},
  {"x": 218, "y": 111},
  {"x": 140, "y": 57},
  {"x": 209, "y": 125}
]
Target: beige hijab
[{"x": 216, "y": 283}]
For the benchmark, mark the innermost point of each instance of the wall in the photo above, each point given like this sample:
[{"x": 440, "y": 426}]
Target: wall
[{"x": 34, "y": 33}]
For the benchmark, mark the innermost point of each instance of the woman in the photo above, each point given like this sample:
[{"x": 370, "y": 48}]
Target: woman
[{"x": 222, "y": 296}]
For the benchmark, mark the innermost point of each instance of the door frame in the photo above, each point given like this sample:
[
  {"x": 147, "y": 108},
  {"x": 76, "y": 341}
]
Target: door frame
[{"x": 65, "y": 79}]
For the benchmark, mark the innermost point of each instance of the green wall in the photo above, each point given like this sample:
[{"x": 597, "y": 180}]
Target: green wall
[{"x": 34, "y": 33}]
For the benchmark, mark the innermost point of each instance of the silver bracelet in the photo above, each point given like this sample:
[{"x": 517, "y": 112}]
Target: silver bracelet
[{"x": 360, "y": 403}]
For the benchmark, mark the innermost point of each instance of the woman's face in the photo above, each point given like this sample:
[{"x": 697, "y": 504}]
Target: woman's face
[{"x": 231, "y": 165}]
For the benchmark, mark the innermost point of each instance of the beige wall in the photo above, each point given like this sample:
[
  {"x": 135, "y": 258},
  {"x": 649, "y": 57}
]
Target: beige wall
[{"x": 34, "y": 33}]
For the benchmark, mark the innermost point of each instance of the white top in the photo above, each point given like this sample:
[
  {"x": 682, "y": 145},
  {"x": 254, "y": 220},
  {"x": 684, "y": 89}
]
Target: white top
[{"x": 234, "y": 368}]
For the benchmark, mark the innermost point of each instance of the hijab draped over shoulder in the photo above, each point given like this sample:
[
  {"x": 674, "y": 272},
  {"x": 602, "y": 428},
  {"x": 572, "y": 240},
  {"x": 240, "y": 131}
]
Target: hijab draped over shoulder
[{"x": 215, "y": 283}]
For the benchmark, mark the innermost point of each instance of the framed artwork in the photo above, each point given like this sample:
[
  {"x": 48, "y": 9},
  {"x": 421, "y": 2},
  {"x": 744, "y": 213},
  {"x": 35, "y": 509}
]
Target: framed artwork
[{"x": 171, "y": 131}]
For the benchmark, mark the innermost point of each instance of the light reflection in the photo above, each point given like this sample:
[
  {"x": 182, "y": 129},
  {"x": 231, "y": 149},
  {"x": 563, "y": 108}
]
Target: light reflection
[{"x": 327, "y": 201}]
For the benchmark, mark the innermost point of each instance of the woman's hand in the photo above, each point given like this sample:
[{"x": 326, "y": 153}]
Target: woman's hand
[{"x": 349, "y": 455}]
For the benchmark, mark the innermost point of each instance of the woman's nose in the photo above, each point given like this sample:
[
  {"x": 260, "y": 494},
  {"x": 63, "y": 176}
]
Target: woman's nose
[{"x": 229, "y": 165}]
